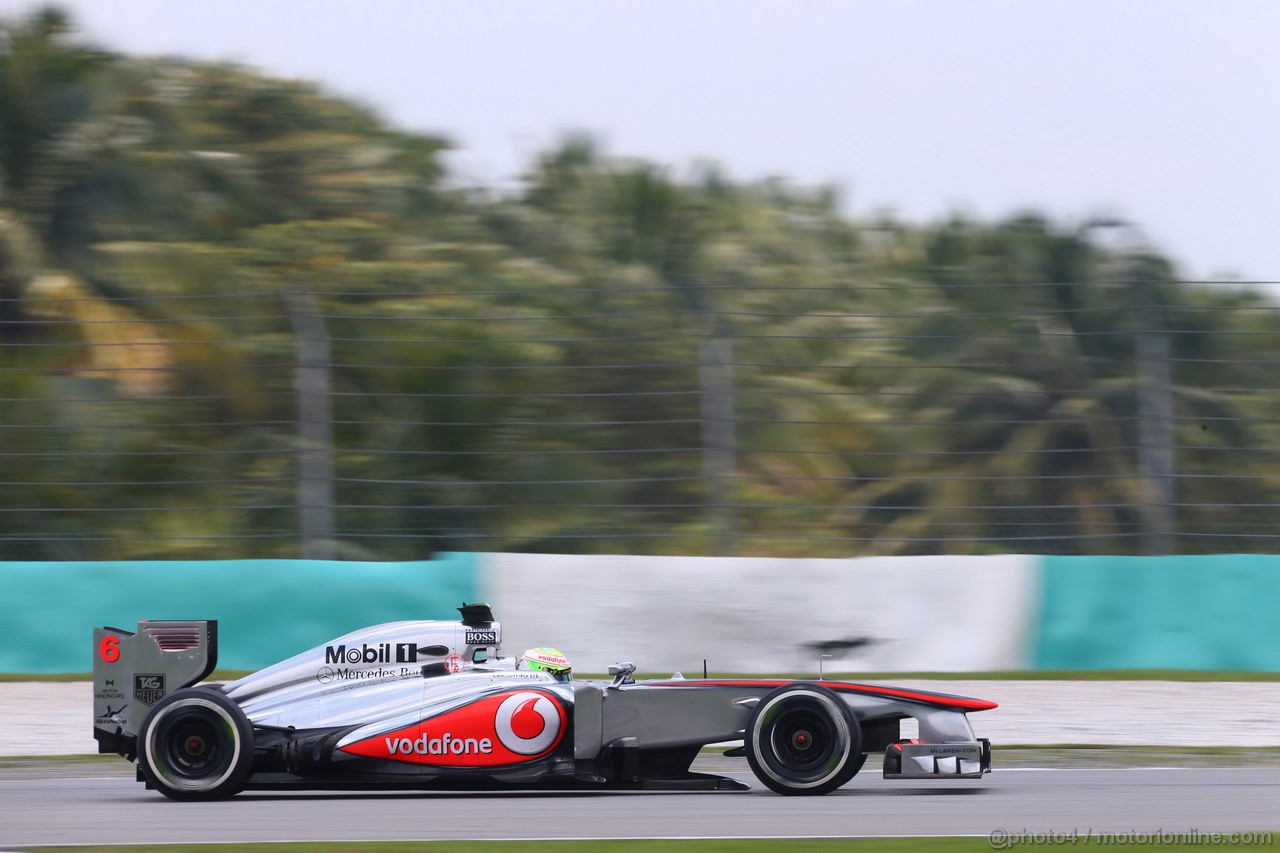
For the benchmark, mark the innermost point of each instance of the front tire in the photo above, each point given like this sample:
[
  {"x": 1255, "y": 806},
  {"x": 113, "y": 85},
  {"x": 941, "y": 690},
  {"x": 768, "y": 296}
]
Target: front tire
[
  {"x": 196, "y": 744},
  {"x": 802, "y": 740}
]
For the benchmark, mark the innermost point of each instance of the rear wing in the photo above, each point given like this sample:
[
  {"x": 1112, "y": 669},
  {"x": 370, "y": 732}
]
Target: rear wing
[{"x": 132, "y": 671}]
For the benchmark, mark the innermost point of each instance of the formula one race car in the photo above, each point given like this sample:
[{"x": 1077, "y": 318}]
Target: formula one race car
[{"x": 431, "y": 704}]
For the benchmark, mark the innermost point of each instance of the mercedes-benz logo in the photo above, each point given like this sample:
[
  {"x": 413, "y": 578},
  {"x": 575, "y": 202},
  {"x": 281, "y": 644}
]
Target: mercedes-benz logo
[{"x": 325, "y": 675}]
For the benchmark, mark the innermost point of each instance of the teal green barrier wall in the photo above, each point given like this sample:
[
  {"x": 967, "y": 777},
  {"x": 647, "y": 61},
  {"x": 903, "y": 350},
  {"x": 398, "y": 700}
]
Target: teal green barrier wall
[
  {"x": 267, "y": 610},
  {"x": 1192, "y": 612}
]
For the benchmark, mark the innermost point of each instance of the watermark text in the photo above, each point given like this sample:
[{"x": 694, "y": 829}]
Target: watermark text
[{"x": 1001, "y": 838}]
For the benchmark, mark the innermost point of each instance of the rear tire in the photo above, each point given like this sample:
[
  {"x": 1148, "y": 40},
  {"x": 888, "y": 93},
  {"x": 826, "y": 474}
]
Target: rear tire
[
  {"x": 196, "y": 744},
  {"x": 802, "y": 740}
]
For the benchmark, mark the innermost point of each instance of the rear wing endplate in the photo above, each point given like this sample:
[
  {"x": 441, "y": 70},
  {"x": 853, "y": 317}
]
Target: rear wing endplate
[{"x": 132, "y": 671}]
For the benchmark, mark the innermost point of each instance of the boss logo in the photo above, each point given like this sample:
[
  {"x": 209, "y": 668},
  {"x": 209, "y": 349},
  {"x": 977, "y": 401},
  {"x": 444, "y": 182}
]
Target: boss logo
[
  {"x": 482, "y": 638},
  {"x": 148, "y": 689}
]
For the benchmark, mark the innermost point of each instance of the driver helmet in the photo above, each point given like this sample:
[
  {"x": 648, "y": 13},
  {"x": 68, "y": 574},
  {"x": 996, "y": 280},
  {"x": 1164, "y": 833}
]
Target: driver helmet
[{"x": 548, "y": 660}]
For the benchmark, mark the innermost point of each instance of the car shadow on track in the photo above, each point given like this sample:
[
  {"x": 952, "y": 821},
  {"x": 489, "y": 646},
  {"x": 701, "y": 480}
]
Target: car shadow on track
[
  {"x": 933, "y": 792},
  {"x": 308, "y": 796}
]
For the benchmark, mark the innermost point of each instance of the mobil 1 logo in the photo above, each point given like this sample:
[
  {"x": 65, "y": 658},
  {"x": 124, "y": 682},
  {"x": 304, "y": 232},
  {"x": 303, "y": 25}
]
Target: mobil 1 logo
[
  {"x": 482, "y": 638},
  {"x": 148, "y": 688},
  {"x": 380, "y": 653}
]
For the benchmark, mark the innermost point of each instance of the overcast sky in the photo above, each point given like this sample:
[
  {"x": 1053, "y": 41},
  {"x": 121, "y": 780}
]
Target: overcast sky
[{"x": 1164, "y": 112}]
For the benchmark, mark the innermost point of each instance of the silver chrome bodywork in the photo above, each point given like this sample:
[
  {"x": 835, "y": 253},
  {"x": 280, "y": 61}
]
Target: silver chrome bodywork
[
  {"x": 316, "y": 688},
  {"x": 381, "y": 703}
]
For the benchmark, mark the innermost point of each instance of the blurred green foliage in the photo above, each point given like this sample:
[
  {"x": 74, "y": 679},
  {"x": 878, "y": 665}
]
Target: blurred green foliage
[{"x": 959, "y": 387}]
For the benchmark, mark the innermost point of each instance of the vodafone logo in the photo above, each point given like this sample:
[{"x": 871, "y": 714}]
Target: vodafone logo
[
  {"x": 428, "y": 745},
  {"x": 527, "y": 723},
  {"x": 499, "y": 730}
]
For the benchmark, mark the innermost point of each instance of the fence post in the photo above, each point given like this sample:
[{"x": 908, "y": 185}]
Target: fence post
[
  {"x": 312, "y": 384},
  {"x": 719, "y": 436},
  {"x": 1155, "y": 424}
]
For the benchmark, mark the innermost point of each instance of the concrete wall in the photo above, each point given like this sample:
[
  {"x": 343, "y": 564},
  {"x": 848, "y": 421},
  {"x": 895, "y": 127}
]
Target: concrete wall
[
  {"x": 769, "y": 615},
  {"x": 267, "y": 609},
  {"x": 669, "y": 613},
  {"x": 1216, "y": 612}
]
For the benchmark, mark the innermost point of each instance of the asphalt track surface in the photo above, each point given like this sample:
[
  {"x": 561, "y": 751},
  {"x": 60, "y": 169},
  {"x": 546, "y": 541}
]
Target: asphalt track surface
[{"x": 117, "y": 810}]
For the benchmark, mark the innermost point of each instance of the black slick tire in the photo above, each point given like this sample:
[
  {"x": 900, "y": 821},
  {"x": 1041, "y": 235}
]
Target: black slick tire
[
  {"x": 196, "y": 744},
  {"x": 802, "y": 740}
]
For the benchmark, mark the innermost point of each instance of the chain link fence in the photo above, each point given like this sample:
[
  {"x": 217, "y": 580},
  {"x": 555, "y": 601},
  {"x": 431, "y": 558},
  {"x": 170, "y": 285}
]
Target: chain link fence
[{"x": 896, "y": 418}]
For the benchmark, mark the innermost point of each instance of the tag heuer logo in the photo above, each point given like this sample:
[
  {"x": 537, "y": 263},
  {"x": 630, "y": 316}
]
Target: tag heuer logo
[{"x": 148, "y": 689}]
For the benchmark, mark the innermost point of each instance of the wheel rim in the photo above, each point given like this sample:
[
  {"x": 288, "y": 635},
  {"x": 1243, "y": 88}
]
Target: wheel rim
[
  {"x": 802, "y": 739},
  {"x": 191, "y": 745}
]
